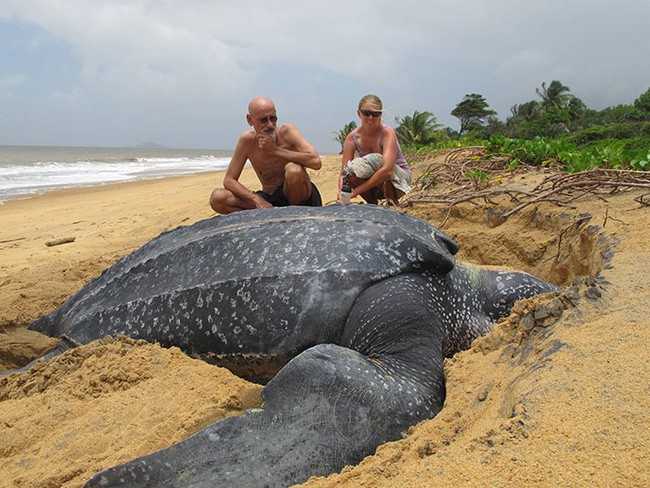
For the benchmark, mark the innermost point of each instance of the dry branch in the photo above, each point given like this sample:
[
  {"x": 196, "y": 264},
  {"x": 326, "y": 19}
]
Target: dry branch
[{"x": 461, "y": 166}]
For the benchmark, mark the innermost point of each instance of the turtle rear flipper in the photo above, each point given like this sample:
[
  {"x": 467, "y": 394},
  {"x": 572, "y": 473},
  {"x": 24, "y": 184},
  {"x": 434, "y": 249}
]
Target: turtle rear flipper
[{"x": 328, "y": 408}]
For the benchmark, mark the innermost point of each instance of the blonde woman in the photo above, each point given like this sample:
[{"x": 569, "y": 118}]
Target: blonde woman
[{"x": 380, "y": 170}]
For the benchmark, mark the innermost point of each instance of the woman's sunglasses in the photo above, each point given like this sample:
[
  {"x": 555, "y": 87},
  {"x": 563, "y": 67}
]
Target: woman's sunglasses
[{"x": 368, "y": 113}]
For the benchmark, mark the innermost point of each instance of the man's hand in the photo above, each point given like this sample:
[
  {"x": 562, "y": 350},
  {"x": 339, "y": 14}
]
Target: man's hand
[
  {"x": 261, "y": 202},
  {"x": 265, "y": 143}
]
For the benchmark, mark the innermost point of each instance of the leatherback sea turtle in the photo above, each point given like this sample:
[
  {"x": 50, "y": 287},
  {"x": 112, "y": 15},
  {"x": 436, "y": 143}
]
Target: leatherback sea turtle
[{"x": 361, "y": 302}]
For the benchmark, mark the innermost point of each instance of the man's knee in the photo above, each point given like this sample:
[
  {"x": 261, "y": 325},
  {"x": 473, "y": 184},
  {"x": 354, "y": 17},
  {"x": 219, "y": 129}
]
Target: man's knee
[
  {"x": 295, "y": 174},
  {"x": 297, "y": 184},
  {"x": 218, "y": 200}
]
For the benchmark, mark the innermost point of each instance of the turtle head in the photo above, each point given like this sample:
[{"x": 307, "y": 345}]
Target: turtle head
[
  {"x": 435, "y": 252},
  {"x": 501, "y": 289},
  {"x": 445, "y": 241}
]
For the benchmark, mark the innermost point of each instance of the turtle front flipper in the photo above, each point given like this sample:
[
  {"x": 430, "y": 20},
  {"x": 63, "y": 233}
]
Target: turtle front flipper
[{"x": 328, "y": 407}]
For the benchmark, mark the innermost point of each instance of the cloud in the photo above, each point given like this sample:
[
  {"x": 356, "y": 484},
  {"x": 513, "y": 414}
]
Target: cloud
[
  {"x": 185, "y": 69},
  {"x": 137, "y": 53},
  {"x": 11, "y": 80}
]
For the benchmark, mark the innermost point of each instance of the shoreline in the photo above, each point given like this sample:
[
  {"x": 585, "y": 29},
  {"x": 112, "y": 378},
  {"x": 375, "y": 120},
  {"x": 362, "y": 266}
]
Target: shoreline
[
  {"x": 248, "y": 178},
  {"x": 88, "y": 188},
  {"x": 216, "y": 174},
  {"x": 28, "y": 170}
]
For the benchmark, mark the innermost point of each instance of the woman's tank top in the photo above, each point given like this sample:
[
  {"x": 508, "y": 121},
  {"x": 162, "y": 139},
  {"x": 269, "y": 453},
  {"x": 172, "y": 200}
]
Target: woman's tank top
[{"x": 400, "y": 160}]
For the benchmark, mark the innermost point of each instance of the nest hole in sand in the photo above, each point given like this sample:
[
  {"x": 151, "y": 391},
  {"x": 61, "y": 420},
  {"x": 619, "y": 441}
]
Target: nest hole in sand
[{"x": 551, "y": 243}]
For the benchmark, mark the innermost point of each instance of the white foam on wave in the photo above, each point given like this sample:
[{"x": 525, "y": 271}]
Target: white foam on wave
[{"x": 28, "y": 178}]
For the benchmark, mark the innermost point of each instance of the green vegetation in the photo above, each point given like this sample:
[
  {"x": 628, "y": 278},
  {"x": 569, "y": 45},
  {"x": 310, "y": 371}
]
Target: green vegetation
[
  {"x": 471, "y": 112},
  {"x": 343, "y": 133},
  {"x": 561, "y": 152},
  {"x": 480, "y": 178},
  {"x": 556, "y": 129},
  {"x": 419, "y": 129}
]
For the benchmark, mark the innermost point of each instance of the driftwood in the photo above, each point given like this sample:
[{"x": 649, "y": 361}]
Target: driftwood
[
  {"x": 469, "y": 175},
  {"x": 59, "y": 241}
]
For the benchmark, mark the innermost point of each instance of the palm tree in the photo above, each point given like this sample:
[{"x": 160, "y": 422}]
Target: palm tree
[
  {"x": 527, "y": 111},
  {"x": 556, "y": 95},
  {"x": 417, "y": 129},
  {"x": 343, "y": 133}
]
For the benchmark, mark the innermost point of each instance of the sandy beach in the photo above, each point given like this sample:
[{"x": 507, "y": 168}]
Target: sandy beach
[{"x": 545, "y": 399}]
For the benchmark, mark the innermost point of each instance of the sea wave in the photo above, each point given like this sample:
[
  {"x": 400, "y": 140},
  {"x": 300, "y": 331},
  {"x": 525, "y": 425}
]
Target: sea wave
[{"x": 29, "y": 177}]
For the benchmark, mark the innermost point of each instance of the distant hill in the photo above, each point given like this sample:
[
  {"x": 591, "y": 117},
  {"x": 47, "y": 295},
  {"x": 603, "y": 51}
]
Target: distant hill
[{"x": 150, "y": 145}]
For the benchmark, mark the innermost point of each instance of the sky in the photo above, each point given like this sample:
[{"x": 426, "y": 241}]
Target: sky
[{"x": 112, "y": 73}]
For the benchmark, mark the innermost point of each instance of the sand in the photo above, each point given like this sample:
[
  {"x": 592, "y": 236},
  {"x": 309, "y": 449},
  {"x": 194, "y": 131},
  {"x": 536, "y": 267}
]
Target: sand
[{"x": 556, "y": 395}]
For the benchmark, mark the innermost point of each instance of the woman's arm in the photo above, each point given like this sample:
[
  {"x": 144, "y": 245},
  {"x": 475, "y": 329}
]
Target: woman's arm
[
  {"x": 348, "y": 154},
  {"x": 388, "y": 157}
]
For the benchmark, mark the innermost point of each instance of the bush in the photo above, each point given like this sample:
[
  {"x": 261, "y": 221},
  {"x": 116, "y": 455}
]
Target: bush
[
  {"x": 623, "y": 130},
  {"x": 632, "y": 145},
  {"x": 608, "y": 153}
]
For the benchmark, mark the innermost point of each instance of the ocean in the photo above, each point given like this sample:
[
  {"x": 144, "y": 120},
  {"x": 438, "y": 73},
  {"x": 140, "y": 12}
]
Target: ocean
[{"x": 29, "y": 170}]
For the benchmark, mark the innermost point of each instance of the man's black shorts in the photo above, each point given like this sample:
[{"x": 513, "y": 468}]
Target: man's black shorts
[{"x": 279, "y": 200}]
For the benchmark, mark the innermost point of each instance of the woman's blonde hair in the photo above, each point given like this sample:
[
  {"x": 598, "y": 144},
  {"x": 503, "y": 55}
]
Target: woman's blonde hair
[{"x": 371, "y": 99}]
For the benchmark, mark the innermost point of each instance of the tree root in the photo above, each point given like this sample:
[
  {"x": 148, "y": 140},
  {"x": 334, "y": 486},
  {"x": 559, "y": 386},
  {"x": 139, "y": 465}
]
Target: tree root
[{"x": 468, "y": 174}]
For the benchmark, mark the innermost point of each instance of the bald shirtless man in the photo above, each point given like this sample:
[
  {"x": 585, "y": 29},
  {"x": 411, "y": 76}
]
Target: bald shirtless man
[{"x": 279, "y": 155}]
